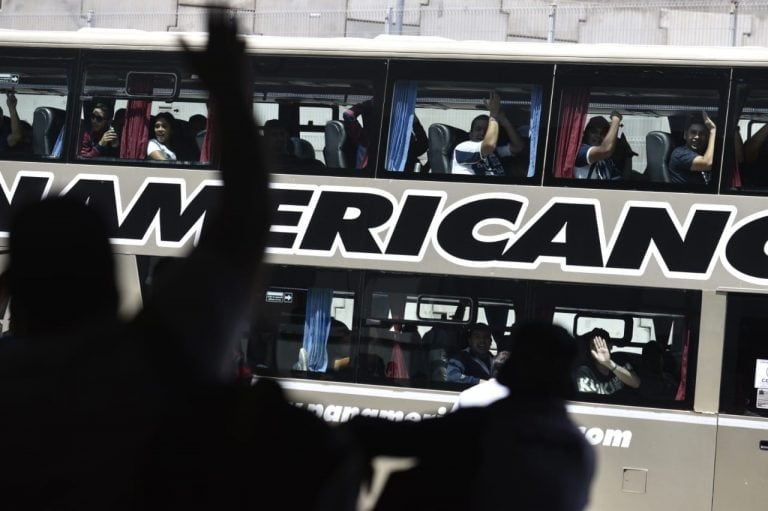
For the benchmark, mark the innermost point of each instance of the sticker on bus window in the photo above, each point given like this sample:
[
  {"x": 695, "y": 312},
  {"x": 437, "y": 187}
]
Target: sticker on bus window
[
  {"x": 279, "y": 297},
  {"x": 761, "y": 374},
  {"x": 761, "y": 401}
]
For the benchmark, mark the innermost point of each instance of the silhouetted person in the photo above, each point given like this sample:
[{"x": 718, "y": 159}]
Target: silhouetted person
[
  {"x": 86, "y": 395},
  {"x": 516, "y": 440}
]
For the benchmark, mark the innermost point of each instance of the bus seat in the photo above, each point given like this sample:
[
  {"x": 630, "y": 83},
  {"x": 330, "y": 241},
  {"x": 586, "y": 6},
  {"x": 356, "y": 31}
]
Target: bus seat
[
  {"x": 443, "y": 138},
  {"x": 46, "y": 124},
  {"x": 199, "y": 139},
  {"x": 335, "y": 142},
  {"x": 658, "y": 147},
  {"x": 301, "y": 148}
]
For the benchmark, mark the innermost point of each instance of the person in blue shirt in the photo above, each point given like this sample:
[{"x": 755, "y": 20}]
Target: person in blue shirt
[
  {"x": 692, "y": 163},
  {"x": 472, "y": 365}
]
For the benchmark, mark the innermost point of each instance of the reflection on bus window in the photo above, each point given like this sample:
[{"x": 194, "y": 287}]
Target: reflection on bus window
[
  {"x": 33, "y": 103},
  {"x": 458, "y": 139},
  {"x": 631, "y": 356},
  {"x": 118, "y": 123},
  {"x": 319, "y": 115},
  {"x": 630, "y": 133},
  {"x": 750, "y": 149},
  {"x": 744, "y": 389}
]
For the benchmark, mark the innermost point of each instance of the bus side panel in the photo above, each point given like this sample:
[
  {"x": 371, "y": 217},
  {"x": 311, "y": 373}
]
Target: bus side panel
[
  {"x": 741, "y": 471},
  {"x": 337, "y": 402},
  {"x": 649, "y": 460}
]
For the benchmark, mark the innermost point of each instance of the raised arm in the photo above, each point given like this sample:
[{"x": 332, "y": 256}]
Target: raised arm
[
  {"x": 602, "y": 355},
  {"x": 202, "y": 306},
  {"x": 491, "y": 138},
  {"x": 15, "y": 136},
  {"x": 516, "y": 144},
  {"x": 754, "y": 143},
  {"x": 704, "y": 161},
  {"x": 605, "y": 149}
]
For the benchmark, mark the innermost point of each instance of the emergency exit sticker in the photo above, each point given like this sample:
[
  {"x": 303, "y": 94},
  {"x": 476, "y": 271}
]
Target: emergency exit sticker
[
  {"x": 761, "y": 374},
  {"x": 761, "y": 400}
]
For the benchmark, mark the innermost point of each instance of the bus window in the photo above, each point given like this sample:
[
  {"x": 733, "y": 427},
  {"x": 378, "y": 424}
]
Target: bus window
[
  {"x": 650, "y": 347},
  {"x": 636, "y": 126},
  {"x": 744, "y": 388},
  {"x": 304, "y": 325},
  {"x": 319, "y": 116},
  {"x": 430, "y": 120},
  {"x": 34, "y": 103},
  {"x": 133, "y": 113},
  {"x": 748, "y": 156}
]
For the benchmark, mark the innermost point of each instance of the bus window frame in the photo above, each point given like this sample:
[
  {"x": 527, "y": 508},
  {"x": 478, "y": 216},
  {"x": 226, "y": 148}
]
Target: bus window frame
[
  {"x": 497, "y": 73},
  {"x": 662, "y": 77}
]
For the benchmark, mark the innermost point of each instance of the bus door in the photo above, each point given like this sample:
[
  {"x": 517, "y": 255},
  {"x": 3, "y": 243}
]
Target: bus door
[{"x": 741, "y": 470}]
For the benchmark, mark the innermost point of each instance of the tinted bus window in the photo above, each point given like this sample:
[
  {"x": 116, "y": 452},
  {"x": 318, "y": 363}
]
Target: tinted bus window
[
  {"x": 138, "y": 112},
  {"x": 319, "y": 115},
  {"x": 34, "y": 104},
  {"x": 634, "y": 126}
]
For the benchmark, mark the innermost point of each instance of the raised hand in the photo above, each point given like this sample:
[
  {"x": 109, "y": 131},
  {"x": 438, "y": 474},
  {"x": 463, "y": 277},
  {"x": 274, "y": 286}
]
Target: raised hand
[{"x": 600, "y": 352}]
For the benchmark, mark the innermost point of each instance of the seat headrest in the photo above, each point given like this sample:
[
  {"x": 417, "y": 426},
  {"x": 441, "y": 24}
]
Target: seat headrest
[{"x": 443, "y": 138}]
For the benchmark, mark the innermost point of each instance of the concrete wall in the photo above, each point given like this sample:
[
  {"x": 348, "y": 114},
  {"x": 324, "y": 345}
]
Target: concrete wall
[{"x": 515, "y": 20}]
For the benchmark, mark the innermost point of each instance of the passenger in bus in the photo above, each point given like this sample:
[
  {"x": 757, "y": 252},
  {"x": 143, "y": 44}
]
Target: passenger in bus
[
  {"x": 480, "y": 155},
  {"x": 339, "y": 345},
  {"x": 159, "y": 147},
  {"x": 598, "y": 373},
  {"x": 595, "y": 159},
  {"x": 276, "y": 138},
  {"x": 472, "y": 365},
  {"x": 656, "y": 383},
  {"x": 101, "y": 140},
  {"x": 13, "y": 134},
  {"x": 513, "y": 442},
  {"x": 357, "y": 132},
  {"x": 755, "y": 158},
  {"x": 486, "y": 392},
  {"x": 692, "y": 163}
]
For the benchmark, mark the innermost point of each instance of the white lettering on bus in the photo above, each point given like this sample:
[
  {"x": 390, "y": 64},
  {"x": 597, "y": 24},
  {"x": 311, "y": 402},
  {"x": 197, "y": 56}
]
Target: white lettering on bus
[
  {"x": 607, "y": 437},
  {"x": 490, "y": 230},
  {"x": 339, "y": 413}
]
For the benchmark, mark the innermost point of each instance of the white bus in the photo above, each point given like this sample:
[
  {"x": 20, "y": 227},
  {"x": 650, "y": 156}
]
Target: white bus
[{"x": 380, "y": 256}]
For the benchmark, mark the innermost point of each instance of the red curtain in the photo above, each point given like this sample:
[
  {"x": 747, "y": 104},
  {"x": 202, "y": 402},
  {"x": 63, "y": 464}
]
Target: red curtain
[
  {"x": 135, "y": 136},
  {"x": 397, "y": 367},
  {"x": 205, "y": 150},
  {"x": 573, "y": 114},
  {"x": 683, "y": 369},
  {"x": 736, "y": 176}
]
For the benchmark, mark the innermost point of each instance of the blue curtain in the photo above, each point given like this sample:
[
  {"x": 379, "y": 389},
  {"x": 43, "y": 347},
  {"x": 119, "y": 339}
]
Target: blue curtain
[
  {"x": 537, "y": 97},
  {"x": 57, "y": 146},
  {"x": 317, "y": 326},
  {"x": 401, "y": 124}
]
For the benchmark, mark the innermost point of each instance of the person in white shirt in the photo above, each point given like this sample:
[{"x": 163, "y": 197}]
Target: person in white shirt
[
  {"x": 159, "y": 148},
  {"x": 486, "y": 392},
  {"x": 481, "y": 155}
]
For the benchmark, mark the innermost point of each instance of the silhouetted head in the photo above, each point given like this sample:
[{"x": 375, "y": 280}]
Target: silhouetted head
[
  {"x": 541, "y": 358},
  {"x": 61, "y": 272},
  {"x": 653, "y": 357},
  {"x": 276, "y": 136}
]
